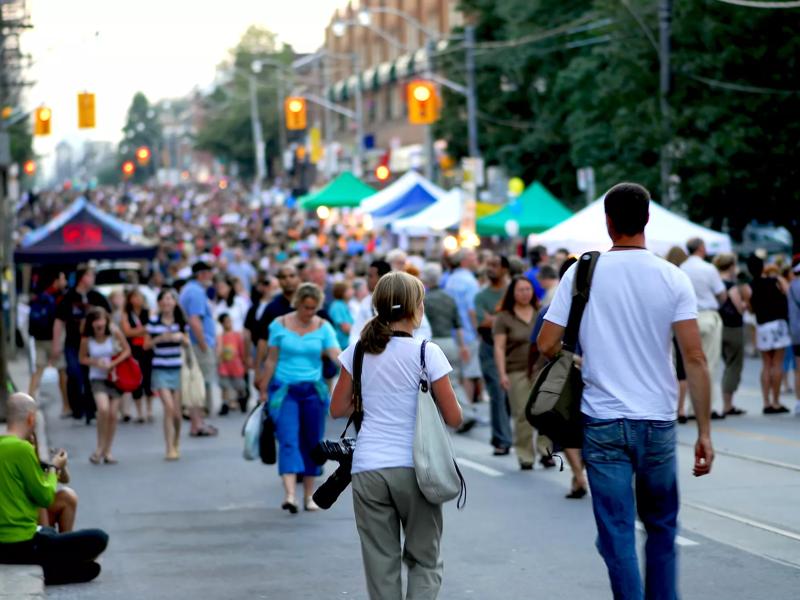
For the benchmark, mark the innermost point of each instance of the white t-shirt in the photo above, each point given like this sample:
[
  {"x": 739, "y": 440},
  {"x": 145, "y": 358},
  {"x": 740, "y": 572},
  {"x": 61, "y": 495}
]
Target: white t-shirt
[
  {"x": 626, "y": 334},
  {"x": 389, "y": 388},
  {"x": 706, "y": 281}
]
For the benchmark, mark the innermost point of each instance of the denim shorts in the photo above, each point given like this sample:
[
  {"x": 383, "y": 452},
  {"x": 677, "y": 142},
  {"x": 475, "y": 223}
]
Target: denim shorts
[{"x": 166, "y": 379}]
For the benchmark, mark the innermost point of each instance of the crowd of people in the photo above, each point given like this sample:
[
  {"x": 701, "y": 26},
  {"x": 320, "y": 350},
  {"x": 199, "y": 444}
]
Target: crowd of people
[{"x": 267, "y": 305}]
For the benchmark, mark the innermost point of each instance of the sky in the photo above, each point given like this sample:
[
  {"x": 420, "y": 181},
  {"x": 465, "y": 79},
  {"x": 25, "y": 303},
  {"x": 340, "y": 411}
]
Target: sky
[{"x": 164, "y": 48}]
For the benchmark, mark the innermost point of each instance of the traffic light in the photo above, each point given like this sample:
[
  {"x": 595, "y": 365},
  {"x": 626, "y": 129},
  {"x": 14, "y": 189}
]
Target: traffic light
[
  {"x": 42, "y": 117},
  {"x": 143, "y": 155},
  {"x": 294, "y": 109},
  {"x": 7, "y": 112},
  {"x": 422, "y": 102},
  {"x": 29, "y": 168},
  {"x": 382, "y": 173},
  {"x": 128, "y": 169},
  {"x": 85, "y": 111}
]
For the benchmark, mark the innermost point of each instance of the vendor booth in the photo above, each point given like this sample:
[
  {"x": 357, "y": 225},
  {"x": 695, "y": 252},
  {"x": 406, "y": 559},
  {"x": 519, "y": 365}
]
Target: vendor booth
[{"x": 534, "y": 211}]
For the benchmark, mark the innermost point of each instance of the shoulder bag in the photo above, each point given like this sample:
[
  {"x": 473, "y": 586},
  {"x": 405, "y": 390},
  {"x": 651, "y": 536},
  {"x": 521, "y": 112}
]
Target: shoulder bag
[
  {"x": 554, "y": 405},
  {"x": 438, "y": 475},
  {"x": 193, "y": 385}
]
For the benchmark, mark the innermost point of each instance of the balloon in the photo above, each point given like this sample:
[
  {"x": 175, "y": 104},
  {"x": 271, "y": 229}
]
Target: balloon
[
  {"x": 512, "y": 227},
  {"x": 516, "y": 186}
]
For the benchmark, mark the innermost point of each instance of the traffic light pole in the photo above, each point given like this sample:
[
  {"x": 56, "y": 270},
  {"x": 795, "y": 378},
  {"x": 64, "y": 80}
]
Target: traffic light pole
[
  {"x": 430, "y": 155},
  {"x": 358, "y": 154},
  {"x": 258, "y": 138},
  {"x": 472, "y": 95}
]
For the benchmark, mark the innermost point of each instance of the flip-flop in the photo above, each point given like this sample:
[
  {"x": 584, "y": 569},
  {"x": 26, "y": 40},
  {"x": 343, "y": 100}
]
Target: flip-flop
[
  {"x": 110, "y": 460},
  {"x": 735, "y": 411},
  {"x": 199, "y": 433},
  {"x": 95, "y": 459}
]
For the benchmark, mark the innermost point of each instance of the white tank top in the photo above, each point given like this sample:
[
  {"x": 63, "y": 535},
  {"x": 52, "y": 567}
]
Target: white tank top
[{"x": 100, "y": 350}]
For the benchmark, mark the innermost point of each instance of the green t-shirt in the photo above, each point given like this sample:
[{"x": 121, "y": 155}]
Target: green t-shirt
[
  {"x": 486, "y": 303},
  {"x": 24, "y": 488}
]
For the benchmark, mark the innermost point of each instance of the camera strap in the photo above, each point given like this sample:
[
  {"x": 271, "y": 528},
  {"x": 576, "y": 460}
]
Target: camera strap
[{"x": 357, "y": 415}]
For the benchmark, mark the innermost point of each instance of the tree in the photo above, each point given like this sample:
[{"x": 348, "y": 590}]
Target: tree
[
  {"x": 142, "y": 128},
  {"x": 227, "y": 129}
]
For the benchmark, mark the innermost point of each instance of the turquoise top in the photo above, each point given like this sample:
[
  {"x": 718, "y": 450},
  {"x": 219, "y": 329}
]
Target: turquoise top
[
  {"x": 340, "y": 313},
  {"x": 300, "y": 357}
]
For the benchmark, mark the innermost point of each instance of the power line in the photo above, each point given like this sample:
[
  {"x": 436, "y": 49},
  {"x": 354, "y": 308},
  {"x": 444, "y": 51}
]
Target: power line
[
  {"x": 767, "y": 5},
  {"x": 738, "y": 87}
]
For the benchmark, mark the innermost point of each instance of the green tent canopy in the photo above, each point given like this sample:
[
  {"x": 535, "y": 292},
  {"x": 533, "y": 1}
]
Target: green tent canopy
[
  {"x": 536, "y": 210},
  {"x": 345, "y": 190}
]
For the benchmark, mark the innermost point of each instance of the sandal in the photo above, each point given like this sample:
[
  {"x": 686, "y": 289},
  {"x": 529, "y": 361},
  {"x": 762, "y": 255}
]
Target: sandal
[
  {"x": 95, "y": 459},
  {"x": 735, "y": 411},
  {"x": 110, "y": 460},
  {"x": 206, "y": 431},
  {"x": 290, "y": 506},
  {"x": 577, "y": 493}
]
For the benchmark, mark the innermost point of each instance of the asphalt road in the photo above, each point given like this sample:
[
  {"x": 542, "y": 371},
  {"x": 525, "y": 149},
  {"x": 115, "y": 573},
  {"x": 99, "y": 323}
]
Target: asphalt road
[{"x": 210, "y": 526}]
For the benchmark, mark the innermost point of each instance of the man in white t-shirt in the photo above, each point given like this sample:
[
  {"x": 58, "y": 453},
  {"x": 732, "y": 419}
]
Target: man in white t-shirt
[
  {"x": 636, "y": 302},
  {"x": 711, "y": 294}
]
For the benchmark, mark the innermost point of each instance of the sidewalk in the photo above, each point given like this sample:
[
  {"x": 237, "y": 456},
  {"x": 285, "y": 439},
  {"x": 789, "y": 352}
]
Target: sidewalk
[{"x": 23, "y": 582}]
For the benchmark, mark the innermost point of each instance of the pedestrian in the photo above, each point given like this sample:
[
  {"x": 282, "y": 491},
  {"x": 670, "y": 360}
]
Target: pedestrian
[
  {"x": 512, "y": 338},
  {"x": 677, "y": 256},
  {"x": 462, "y": 285},
  {"x": 386, "y": 495},
  {"x": 242, "y": 269},
  {"x": 202, "y": 333},
  {"x": 731, "y": 312},
  {"x": 630, "y": 394},
  {"x": 548, "y": 281},
  {"x": 376, "y": 270},
  {"x": 134, "y": 327},
  {"x": 447, "y": 334},
  {"x": 711, "y": 295},
  {"x": 291, "y": 378},
  {"x": 255, "y": 329},
  {"x": 230, "y": 303},
  {"x": 25, "y": 488},
  {"x": 339, "y": 312},
  {"x": 487, "y": 304},
  {"x": 231, "y": 364},
  {"x": 793, "y": 295},
  {"x": 71, "y": 312},
  {"x": 103, "y": 347},
  {"x": 166, "y": 336},
  {"x": 771, "y": 308},
  {"x": 47, "y": 333},
  {"x": 538, "y": 258}
]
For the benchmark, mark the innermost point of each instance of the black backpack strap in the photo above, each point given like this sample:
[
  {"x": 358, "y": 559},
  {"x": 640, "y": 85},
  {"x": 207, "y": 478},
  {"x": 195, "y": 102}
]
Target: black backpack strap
[
  {"x": 423, "y": 379},
  {"x": 580, "y": 296},
  {"x": 357, "y": 416}
]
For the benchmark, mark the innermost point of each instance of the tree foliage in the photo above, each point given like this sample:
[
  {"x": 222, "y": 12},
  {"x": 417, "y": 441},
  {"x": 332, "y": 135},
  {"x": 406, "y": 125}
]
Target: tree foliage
[
  {"x": 142, "y": 128},
  {"x": 584, "y": 91},
  {"x": 227, "y": 128}
]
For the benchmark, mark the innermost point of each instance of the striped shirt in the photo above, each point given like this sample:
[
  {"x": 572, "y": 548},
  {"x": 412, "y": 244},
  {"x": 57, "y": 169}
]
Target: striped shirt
[{"x": 166, "y": 355}]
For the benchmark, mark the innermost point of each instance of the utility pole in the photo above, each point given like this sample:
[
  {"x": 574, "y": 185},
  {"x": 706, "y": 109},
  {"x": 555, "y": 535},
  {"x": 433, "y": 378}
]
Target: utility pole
[
  {"x": 258, "y": 137},
  {"x": 664, "y": 33},
  {"x": 472, "y": 96},
  {"x": 327, "y": 120},
  {"x": 358, "y": 155},
  {"x": 430, "y": 156}
]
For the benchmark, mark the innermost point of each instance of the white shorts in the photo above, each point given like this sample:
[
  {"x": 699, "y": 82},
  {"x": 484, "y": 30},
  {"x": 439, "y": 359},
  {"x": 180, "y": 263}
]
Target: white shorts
[
  {"x": 773, "y": 336},
  {"x": 472, "y": 368}
]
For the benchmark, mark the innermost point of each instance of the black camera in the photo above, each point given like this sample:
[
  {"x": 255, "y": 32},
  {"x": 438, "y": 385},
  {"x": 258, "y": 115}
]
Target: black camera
[{"x": 341, "y": 451}]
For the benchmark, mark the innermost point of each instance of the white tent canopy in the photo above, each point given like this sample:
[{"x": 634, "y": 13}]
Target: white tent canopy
[
  {"x": 443, "y": 214},
  {"x": 586, "y": 230},
  {"x": 397, "y": 189}
]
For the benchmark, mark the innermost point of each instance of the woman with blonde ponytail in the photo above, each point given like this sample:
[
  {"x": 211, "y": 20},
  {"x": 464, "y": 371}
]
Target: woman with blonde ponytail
[{"x": 385, "y": 491}]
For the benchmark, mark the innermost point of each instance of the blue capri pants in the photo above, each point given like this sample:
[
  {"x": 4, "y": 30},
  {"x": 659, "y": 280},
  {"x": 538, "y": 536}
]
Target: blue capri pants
[{"x": 299, "y": 421}]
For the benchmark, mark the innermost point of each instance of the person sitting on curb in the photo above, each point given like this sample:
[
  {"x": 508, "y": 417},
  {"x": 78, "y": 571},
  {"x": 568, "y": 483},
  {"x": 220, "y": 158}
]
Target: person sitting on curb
[{"x": 25, "y": 488}]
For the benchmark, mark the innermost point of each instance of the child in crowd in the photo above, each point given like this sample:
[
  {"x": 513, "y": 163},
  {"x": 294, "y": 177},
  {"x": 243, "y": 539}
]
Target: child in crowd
[
  {"x": 340, "y": 312},
  {"x": 231, "y": 360}
]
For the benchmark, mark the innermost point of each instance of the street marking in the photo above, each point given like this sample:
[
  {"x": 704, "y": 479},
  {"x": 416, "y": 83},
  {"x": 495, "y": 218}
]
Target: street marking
[
  {"x": 679, "y": 539},
  {"x": 745, "y": 521},
  {"x": 774, "y": 439},
  {"x": 748, "y": 457},
  {"x": 475, "y": 466}
]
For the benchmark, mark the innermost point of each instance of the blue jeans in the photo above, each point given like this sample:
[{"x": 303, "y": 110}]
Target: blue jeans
[
  {"x": 498, "y": 402},
  {"x": 79, "y": 394},
  {"x": 624, "y": 457}
]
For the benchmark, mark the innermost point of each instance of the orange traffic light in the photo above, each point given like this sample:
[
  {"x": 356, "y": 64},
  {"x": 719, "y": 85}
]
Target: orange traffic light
[
  {"x": 42, "y": 118},
  {"x": 143, "y": 155},
  {"x": 294, "y": 109},
  {"x": 128, "y": 168},
  {"x": 7, "y": 112},
  {"x": 85, "y": 111},
  {"x": 382, "y": 173},
  {"x": 29, "y": 167},
  {"x": 422, "y": 102}
]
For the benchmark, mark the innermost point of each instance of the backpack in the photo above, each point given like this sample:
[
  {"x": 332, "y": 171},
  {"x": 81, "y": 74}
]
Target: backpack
[
  {"x": 42, "y": 316},
  {"x": 554, "y": 405}
]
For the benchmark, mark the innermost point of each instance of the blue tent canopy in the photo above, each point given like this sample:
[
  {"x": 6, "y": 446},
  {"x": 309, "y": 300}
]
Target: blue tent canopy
[{"x": 410, "y": 203}]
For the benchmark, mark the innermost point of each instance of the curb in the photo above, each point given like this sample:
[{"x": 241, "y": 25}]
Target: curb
[{"x": 21, "y": 582}]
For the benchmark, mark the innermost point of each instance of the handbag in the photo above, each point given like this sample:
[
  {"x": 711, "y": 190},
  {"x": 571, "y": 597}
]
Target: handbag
[
  {"x": 252, "y": 432},
  {"x": 554, "y": 405},
  {"x": 127, "y": 375},
  {"x": 266, "y": 441},
  {"x": 438, "y": 475},
  {"x": 193, "y": 385}
]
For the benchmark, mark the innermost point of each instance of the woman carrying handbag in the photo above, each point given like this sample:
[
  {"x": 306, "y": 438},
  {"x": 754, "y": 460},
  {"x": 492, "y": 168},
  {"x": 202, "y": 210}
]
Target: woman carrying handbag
[{"x": 386, "y": 493}]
